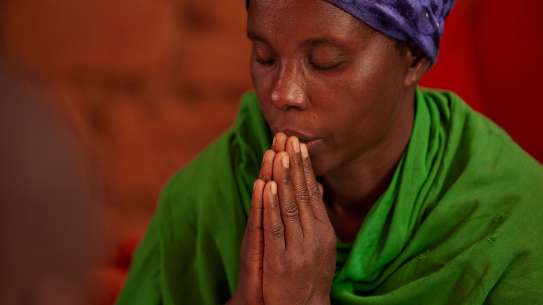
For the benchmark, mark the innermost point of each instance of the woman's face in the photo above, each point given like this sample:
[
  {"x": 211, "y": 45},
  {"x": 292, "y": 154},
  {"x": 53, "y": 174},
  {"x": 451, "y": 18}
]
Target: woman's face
[{"x": 326, "y": 77}]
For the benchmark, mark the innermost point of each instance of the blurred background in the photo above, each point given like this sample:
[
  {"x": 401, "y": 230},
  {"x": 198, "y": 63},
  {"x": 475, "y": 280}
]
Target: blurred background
[{"x": 142, "y": 86}]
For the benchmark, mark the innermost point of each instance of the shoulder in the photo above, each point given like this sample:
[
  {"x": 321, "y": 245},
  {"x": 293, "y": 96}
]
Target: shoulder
[
  {"x": 482, "y": 174},
  {"x": 472, "y": 139},
  {"x": 479, "y": 160}
]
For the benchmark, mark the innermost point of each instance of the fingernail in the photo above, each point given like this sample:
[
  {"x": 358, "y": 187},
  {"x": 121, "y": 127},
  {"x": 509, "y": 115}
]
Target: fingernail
[
  {"x": 254, "y": 185},
  {"x": 274, "y": 140},
  {"x": 275, "y": 96},
  {"x": 285, "y": 161},
  {"x": 303, "y": 148},
  {"x": 295, "y": 144},
  {"x": 273, "y": 187},
  {"x": 280, "y": 137}
]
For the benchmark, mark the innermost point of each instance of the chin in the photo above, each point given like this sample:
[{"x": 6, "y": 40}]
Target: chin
[
  {"x": 326, "y": 161},
  {"x": 320, "y": 164}
]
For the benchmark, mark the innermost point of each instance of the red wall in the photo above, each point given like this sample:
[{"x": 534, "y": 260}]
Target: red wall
[{"x": 492, "y": 55}]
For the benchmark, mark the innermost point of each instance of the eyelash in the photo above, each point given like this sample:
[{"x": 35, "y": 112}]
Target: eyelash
[
  {"x": 267, "y": 63},
  {"x": 325, "y": 68},
  {"x": 271, "y": 62}
]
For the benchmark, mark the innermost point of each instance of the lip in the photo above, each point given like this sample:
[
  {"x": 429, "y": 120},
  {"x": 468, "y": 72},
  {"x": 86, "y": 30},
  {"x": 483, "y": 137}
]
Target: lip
[
  {"x": 309, "y": 140},
  {"x": 305, "y": 138},
  {"x": 311, "y": 145}
]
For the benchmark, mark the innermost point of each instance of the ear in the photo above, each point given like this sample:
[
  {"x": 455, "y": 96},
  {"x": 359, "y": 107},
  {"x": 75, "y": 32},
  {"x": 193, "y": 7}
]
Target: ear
[{"x": 418, "y": 65}]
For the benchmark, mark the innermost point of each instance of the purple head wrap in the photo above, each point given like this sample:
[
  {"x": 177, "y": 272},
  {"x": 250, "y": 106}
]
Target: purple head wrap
[{"x": 418, "y": 21}]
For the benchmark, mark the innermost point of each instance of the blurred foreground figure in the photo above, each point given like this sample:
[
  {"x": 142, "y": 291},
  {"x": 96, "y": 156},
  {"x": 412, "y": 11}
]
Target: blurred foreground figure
[{"x": 46, "y": 217}]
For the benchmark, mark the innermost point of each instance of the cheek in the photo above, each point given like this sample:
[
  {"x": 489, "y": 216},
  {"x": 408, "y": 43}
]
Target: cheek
[
  {"x": 357, "y": 106},
  {"x": 262, "y": 79},
  {"x": 354, "y": 123},
  {"x": 364, "y": 118},
  {"x": 262, "y": 82}
]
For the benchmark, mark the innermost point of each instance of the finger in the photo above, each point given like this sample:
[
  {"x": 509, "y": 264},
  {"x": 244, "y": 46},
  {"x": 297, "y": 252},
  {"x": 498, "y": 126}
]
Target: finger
[
  {"x": 279, "y": 142},
  {"x": 267, "y": 165},
  {"x": 315, "y": 193},
  {"x": 274, "y": 229},
  {"x": 301, "y": 191},
  {"x": 287, "y": 200},
  {"x": 253, "y": 231},
  {"x": 253, "y": 243}
]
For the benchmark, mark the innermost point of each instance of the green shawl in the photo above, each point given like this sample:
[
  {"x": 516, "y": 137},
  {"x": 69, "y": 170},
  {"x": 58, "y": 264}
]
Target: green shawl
[{"x": 460, "y": 223}]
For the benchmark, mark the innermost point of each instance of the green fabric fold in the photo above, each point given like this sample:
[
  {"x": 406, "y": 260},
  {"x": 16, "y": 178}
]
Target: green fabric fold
[{"x": 460, "y": 223}]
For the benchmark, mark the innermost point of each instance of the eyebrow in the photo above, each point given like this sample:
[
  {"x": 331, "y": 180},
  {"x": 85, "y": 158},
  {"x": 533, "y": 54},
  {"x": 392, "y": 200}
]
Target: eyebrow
[
  {"x": 308, "y": 43},
  {"x": 318, "y": 41},
  {"x": 254, "y": 36}
]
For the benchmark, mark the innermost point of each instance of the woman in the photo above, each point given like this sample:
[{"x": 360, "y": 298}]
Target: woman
[{"x": 343, "y": 181}]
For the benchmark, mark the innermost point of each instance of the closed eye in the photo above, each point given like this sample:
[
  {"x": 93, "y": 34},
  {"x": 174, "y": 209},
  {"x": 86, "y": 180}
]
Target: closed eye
[
  {"x": 326, "y": 66},
  {"x": 265, "y": 62}
]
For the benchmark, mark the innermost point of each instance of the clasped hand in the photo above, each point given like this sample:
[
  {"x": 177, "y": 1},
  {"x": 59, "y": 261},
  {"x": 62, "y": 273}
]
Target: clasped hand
[{"x": 288, "y": 251}]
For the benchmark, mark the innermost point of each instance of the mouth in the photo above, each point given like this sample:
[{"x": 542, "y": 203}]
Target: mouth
[
  {"x": 303, "y": 137},
  {"x": 313, "y": 144},
  {"x": 309, "y": 140}
]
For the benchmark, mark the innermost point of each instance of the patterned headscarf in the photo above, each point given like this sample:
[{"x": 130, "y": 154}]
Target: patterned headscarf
[{"x": 417, "y": 21}]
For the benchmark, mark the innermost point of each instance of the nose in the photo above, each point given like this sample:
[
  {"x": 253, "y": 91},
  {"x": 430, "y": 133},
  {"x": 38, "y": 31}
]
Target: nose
[{"x": 289, "y": 88}]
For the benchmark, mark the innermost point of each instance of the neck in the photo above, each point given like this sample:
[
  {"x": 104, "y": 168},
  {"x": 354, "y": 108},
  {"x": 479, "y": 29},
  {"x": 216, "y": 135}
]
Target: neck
[{"x": 357, "y": 184}]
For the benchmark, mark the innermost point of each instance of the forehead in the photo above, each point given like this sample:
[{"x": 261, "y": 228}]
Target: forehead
[{"x": 299, "y": 19}]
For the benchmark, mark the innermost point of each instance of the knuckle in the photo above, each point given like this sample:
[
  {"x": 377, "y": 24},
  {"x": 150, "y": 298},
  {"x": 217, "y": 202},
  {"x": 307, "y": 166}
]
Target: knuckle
[
  {"x": 277, "y": 230},
  {"x": 253, "y": 254},
  {"x": 275, "y": 204},
  {"x": 303, "y": 196},
  {"x": 286, "y": 179},
  {"x": 291, "y": 210},
  {"x": 297, "y": 160},
  {"x": 307, "y": 170},
  {"x": 314, "y": 191}
]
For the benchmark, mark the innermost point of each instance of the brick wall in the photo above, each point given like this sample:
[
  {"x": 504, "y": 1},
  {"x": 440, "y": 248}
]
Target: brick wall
[{"x": 144, "y": 85}]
